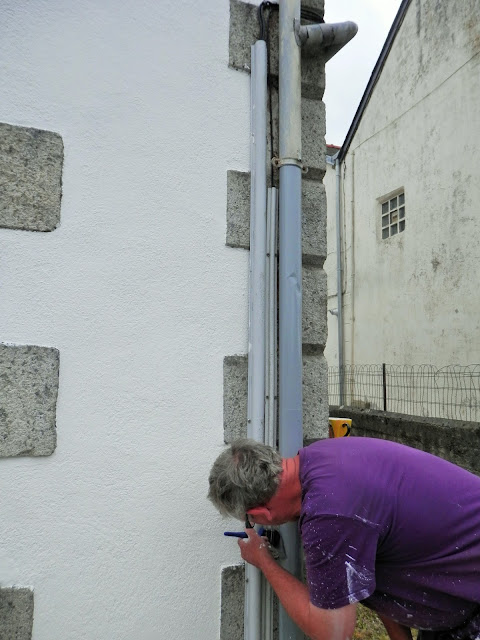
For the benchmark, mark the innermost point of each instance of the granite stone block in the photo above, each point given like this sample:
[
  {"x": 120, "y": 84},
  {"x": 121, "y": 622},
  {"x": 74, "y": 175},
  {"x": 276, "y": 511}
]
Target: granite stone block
[
  {"x": 314, "y": 222},
  {"x": 28, "y": 398},
  {"x": 313, "y": 134},
  {"x": 30, "y": 178},
  {"x": 314, "y": 216},
  {"x": 245, "y": 30},
  {"x": 238, "y": 209},
  {"x": 235, "y": 386},
  {"x": 315, "y": 397},
  {"x": 232, "y": 604},
  {"x": 16, "y": 613},
  {"x": 314, "y": 306}
]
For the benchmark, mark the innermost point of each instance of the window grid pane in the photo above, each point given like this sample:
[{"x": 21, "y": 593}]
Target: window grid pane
[{"x": 393, "y": 216}]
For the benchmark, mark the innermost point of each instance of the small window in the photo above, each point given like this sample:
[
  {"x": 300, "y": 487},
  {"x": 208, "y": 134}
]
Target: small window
[{"x": 393, "y": 216}]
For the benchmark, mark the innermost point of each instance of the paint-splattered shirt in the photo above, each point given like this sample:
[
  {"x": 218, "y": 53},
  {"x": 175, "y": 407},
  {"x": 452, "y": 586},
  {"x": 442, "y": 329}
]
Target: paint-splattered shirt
[{"x": 394, "y": 527}]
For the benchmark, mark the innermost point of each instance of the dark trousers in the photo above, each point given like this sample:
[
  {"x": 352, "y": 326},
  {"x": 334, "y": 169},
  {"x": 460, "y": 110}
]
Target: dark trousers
[{"x": 469, "y": 630}]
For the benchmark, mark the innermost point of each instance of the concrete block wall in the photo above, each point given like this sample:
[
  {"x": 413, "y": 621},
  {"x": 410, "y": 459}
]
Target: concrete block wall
[
  {"x": 453, "y": 440},
  {"x": 244, "y": 31},
  {"x": 31, "y": 162}
]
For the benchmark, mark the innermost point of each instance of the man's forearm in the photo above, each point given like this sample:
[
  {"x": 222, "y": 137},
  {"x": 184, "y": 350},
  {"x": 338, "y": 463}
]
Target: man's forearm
[
  {"x": 292, "y": 593},
  {"x": 316, "y": 623}
]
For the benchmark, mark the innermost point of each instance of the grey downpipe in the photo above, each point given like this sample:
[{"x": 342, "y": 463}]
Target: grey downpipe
[
  {"x": 290, "y": 272},
  {"x": 257, "y": 304},
  {"x": 341, "y": 363}
]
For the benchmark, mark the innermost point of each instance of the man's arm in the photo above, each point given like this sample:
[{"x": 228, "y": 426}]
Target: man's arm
[{"x": 318, "y": 624}]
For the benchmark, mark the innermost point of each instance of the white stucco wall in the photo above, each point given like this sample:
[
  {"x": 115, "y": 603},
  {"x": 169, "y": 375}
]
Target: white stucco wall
[
  {"x": 413, "y": 298},
  {"x": 142, "y": 298}
]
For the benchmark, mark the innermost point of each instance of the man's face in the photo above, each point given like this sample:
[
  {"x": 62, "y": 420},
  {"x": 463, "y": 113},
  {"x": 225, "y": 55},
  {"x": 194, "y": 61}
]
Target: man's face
[
  {"x": 265, "y": 517},
  {"x": 256, "y": 519}
]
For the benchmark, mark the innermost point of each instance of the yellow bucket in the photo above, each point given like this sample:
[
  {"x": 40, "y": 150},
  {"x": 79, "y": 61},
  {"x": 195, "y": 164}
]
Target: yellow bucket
[{"x": 339, "y": 427}]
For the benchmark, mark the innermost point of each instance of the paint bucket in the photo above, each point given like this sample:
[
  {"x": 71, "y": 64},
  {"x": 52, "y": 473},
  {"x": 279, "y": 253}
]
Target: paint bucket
[{"x": 339, "y": 427}]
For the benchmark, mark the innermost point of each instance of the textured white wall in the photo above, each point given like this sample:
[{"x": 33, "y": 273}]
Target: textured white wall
[
  {"x": 413, "y": 298},
  {"x": 139, "y": 293}
]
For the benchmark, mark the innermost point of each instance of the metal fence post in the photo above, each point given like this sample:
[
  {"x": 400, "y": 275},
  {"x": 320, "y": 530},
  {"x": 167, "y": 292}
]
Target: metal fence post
[{"x": 384, "y": 375}]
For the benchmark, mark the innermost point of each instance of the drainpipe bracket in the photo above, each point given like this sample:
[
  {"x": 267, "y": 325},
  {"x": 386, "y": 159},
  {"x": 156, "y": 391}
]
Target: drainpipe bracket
[
  {"x": 281, "y": 162},
  {"x": 300, "y": 35}
]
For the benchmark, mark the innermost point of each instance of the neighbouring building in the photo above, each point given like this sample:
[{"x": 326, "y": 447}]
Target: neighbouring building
[{"x": 410, "y": 194}]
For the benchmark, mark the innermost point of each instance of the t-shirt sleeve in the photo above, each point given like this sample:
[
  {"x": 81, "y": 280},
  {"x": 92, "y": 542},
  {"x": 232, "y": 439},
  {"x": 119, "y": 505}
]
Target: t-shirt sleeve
[{"x": 340, "y": 560}]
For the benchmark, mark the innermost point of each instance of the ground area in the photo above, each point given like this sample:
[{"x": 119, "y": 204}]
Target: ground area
[{"x": 369, "y": 626}]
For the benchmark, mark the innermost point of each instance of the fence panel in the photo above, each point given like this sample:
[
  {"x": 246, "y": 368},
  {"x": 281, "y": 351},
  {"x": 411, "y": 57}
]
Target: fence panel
[{"x": 450, "y": 392}]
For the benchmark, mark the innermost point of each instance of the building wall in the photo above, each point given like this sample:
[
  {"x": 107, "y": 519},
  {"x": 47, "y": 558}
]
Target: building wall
[
  {"x": 412, "y": 298},
  {"x": 137, "y": 291}
]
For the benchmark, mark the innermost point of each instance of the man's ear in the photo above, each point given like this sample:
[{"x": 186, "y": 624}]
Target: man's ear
[{"x": 260, "y": 512}]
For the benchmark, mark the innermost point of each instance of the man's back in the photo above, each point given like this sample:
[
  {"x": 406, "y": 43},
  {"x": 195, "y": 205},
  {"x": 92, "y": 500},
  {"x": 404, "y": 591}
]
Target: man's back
[{"x": 392, "y": 526}]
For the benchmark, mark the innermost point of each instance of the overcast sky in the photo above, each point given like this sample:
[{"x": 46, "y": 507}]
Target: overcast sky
[{"x": 349, "y": 71}]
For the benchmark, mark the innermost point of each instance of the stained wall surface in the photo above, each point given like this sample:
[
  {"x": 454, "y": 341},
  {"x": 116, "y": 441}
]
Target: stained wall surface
[
  {"x": 413, "y": 298},
  {"x": 135, "y": 289}
]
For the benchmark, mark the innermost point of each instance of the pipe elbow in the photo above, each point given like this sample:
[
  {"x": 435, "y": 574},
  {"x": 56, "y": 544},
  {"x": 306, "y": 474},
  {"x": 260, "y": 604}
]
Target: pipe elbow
[{"x": 326, "y": 38}]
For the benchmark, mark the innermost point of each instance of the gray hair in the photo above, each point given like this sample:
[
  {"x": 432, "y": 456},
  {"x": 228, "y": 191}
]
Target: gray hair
[{"x": 244, "y": 476}]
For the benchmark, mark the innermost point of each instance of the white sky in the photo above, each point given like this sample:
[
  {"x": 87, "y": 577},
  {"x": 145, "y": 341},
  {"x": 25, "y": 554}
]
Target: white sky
[{"x": 349, "y": 71}]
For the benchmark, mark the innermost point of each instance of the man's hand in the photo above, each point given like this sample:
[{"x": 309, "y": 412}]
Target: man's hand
[{"x": 254, "y": 549}]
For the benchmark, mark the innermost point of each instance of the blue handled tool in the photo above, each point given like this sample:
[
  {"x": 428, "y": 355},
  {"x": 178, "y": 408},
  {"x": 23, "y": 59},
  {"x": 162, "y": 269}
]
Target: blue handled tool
[
  {"x": 242, "y": 534},
  {"x": 273, "y": 536}
]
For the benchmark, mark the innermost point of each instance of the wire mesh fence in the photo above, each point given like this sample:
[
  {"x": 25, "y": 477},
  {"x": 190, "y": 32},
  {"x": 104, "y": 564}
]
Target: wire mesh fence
[{"x": 423, "y": 390}]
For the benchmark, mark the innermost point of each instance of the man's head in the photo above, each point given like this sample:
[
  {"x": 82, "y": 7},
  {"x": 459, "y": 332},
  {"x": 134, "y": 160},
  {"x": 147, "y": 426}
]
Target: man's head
[{"x": 245, "y": 475}]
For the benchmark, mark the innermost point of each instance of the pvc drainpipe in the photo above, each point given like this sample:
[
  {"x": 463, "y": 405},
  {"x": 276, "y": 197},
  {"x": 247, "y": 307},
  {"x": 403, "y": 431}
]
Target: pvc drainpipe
[
  {"x": 290, "y": 271},
  {"x": 271, "y": 373},
  {"x": 341, "y": 376},
  {"x": 256, "y": 309}
]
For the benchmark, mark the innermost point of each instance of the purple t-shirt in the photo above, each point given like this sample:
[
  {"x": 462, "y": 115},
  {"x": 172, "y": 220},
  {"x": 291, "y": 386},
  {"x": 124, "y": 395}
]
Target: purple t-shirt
[{"x": 392, "y": 526}]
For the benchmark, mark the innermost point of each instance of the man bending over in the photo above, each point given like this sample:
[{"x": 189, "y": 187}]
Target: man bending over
[{"x": 390, "y": 526}]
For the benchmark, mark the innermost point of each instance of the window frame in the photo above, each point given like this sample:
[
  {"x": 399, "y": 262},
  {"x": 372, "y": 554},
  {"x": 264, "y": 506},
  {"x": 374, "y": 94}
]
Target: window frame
[{"x": 392, "y": 214}]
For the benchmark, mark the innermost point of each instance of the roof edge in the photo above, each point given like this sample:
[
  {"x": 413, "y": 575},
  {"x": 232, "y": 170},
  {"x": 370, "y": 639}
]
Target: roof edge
[{"x": 397, "y": 22}]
